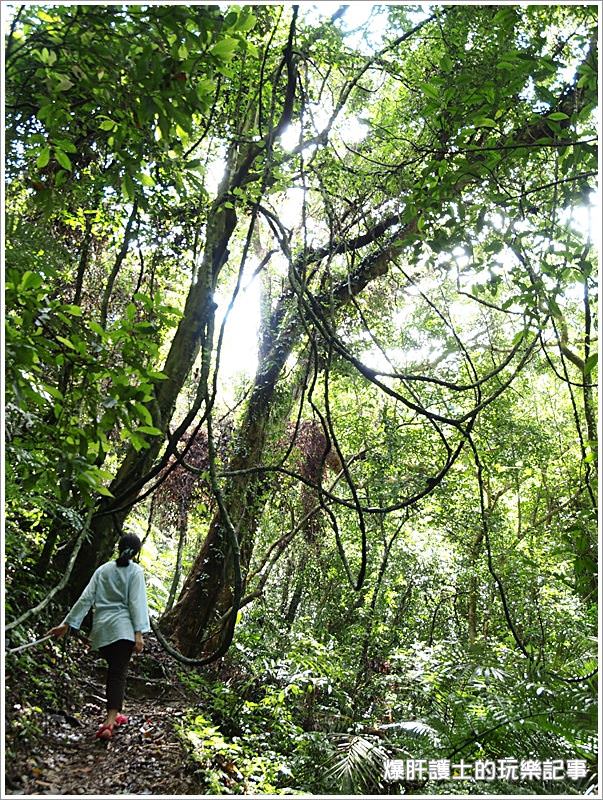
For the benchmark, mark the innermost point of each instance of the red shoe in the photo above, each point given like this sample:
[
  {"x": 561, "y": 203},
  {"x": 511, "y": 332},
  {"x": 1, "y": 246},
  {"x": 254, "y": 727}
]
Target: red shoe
[
  {"x": 121, "y": 719},
  {"x": 104, "y": 732}
]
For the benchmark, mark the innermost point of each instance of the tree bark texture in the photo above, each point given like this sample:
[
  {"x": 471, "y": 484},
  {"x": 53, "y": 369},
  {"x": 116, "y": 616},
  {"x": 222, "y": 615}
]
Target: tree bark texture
[{"x": 206, "y": 594}]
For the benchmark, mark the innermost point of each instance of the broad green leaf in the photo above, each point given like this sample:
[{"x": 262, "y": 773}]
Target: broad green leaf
[
  {"x": 75, "y": 311},
  {"x": 146, "y": 180},
  {"x": 430, "y": 91},
  {"x": 484, "y": 122},
  {"x": 65, "y": 145},
  {"x": 96, "y": 328},
  {"x": 43, "y": 158},
  {"x": 53, "y": 392},
  {"x": 205, "y": 87},
  {"x": 225, "y": 49},
  {"x": 46, "y": 17},
  {"x": 156, "y": 375},
  {"x": 554, "y": 308},
  {"x": 44, "y": 111},
  {"x": 66, "y": 342},
  {"x": 63, "y": 159},
  {"x": 251, "y": 49},
  {"x": 64, "y": 83},
  {"x": 245, "y": 22},
  {"x": 127, "y": 187},
  {"x": 558, "y": 115},
  {"x": 591, "y": 363},
  {"x": 518, "y": 336},
  {"x": 504, "y": 16},
  {"x": 143, "y": 413},
  {"x": 30, "y": 280},
  {"x": 149, "y": 430}
]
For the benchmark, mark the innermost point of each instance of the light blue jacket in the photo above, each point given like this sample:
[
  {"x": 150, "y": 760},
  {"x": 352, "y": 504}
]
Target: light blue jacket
[{"x": 119, "y": 597}]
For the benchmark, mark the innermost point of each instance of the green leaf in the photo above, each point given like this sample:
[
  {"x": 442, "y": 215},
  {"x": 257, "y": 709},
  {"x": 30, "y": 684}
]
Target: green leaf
[
  {"x": 484, "y": 122},
  {"x": 245, "y": 22},
  {"x": 504, "y": 16},
  {"x": 127, "y": 187},
  {"x": 205, "y": 88},
  {"x": 140, "y": 297},
  {"x": 63, "y": 159},
  {"x": 554, "y": 308},
  {"x": 430, "y": 91},
  {"x": 145, "y": 179},
  {"x": 66, "y": 146},
  {"x": 64, "y": 83},
  {"x": 44, "y": 111},
  {"x": 518, "y": 336},
  {"x": 96, "y": 328},
  {"x": 230, "y": 19},
  {"x": 591, "y": 363},
  {"x": 107, "y": 125},
  {"x": 53, "y": 392},
  {"x": 252, "y": 50},
  {"x": 225, "y": 49},
  {"x": 156, "y": 375},
  {"x": 150, "y": 430},
  {"x": 558, "y": 115},
  {"x": 75, "y": 311},
  {"x": 43, "y": 158},
  {"x": 30, "y": 280},
  {"x": 66, "y": 342},
  {"x": 143, "y": 413}
]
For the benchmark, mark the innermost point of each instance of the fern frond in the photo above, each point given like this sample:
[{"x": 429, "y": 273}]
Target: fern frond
[{"x": 357, "y": 763}]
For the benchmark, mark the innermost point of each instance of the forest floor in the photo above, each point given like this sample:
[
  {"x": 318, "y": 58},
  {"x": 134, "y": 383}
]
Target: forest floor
[{"x": 144, "y": 757}]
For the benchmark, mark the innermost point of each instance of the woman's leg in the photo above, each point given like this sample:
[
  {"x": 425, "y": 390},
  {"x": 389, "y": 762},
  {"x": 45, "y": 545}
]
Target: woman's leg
[{"x": 118, "y": 656}]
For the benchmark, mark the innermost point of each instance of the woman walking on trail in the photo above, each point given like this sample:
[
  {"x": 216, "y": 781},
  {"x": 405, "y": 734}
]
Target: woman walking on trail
[{"x": 117, "y": 592}]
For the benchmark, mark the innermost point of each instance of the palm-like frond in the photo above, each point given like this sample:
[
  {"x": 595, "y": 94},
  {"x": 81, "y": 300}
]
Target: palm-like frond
[{"x": 357, "y": 763}]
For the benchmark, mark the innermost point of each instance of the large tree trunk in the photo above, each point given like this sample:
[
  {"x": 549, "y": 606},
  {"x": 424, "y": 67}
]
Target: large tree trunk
[
  {"x": 189, "y": 337},
  {"x": 207, "y": 591},
  {"x": 207, "y": 594}
]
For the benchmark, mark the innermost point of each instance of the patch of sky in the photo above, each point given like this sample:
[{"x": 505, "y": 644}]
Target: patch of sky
[{"x": 363, "y": 24}]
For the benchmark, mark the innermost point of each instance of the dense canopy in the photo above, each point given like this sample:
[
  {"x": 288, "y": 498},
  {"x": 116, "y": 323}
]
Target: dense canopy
[{"x": 305, "y": 296}]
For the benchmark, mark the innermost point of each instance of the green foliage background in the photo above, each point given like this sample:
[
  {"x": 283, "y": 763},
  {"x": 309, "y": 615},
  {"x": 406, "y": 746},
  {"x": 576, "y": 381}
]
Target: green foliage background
[{"x": 457, "y": 160}]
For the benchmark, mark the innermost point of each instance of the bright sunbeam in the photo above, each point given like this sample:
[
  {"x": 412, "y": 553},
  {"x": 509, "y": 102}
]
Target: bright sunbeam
[
  {"x": 239, "y": 354},
  {"x": 586, "y": 219}
]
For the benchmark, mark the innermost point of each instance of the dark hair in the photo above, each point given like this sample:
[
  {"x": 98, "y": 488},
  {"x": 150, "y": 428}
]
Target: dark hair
[{"x": 128, "y": 547}]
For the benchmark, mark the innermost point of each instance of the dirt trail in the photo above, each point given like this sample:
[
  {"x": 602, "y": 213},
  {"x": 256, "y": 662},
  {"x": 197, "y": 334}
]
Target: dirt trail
[{"x": 144, "y": 757}]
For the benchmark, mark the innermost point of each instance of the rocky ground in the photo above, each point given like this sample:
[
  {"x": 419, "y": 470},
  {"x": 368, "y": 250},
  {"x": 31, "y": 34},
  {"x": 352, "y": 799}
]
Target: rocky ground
[{"x": 144, "y": 757}]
